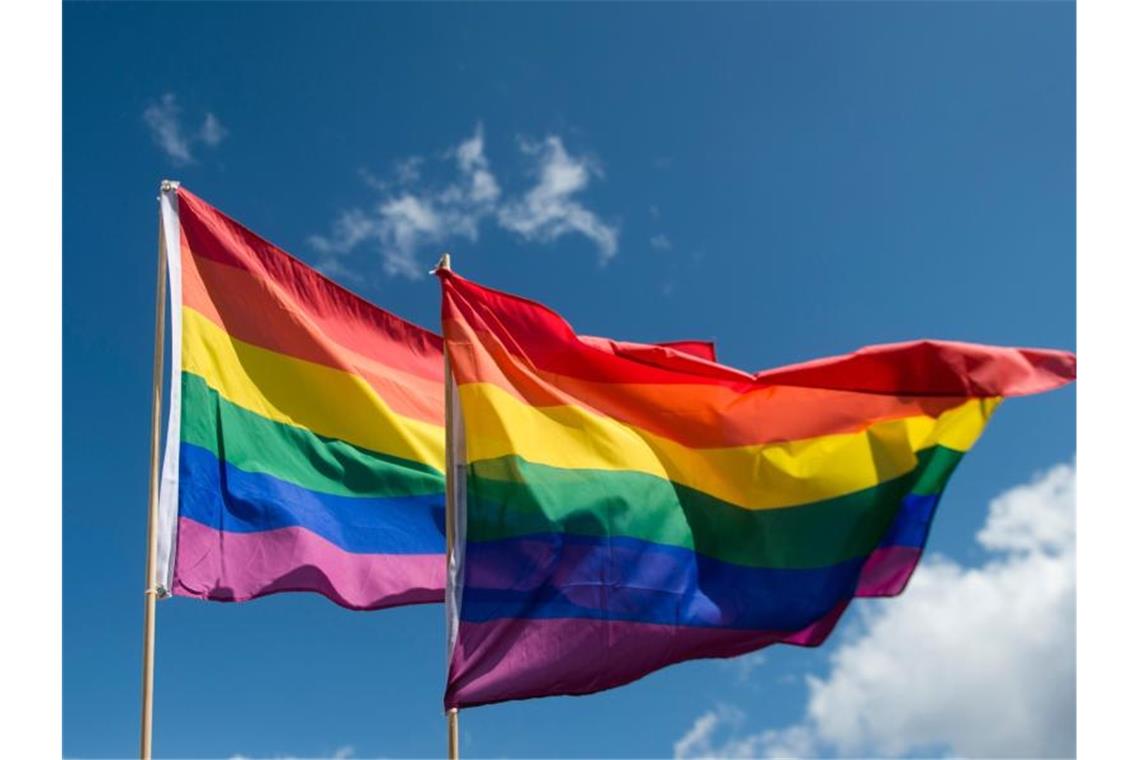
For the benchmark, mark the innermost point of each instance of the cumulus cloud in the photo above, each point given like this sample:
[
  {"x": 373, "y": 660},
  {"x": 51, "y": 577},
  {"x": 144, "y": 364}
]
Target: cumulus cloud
[
  {"x": 413, "y": 215},
  {"x": 977, "y": 662},
  {"x": 164, "y": 120}
]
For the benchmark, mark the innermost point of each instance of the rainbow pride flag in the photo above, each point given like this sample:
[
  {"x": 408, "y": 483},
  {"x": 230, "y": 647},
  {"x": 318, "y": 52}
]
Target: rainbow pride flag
[
  {"x": 624, "y": 507},
  {"x": 305, "y": 444}
]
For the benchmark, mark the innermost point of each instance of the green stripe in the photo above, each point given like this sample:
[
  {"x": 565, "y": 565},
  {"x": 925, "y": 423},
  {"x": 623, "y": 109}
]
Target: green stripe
[
  {"x": 511, "y": 497},
  {"x": 935, "y": 466},
  {"x": 252, "y": 443}
]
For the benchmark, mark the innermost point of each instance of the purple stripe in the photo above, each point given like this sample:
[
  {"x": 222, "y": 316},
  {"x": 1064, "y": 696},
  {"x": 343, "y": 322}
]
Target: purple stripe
[
  {"x": 520, "y": 659},
  {"x": 234, "y": 567},
  {"x": 508, "y": 659},
  {"x": 887, "y": 570}
]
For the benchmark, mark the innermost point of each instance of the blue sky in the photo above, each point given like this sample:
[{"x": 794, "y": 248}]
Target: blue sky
[{"x": 791, "y": 180}]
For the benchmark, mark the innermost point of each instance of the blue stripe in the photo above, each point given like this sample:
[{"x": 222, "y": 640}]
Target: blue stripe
[
  {"x": 569, "y": 576},
  {"x": 912, "y": 523},
  {"x": 221, "y": 496}
]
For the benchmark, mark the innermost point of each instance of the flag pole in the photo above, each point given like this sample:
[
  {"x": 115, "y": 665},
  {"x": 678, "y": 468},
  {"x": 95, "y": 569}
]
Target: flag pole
[
  {"x": 151, "y": 592},
  {"x": 453, "y": 734},
  {"x": 449, "y": 513}
]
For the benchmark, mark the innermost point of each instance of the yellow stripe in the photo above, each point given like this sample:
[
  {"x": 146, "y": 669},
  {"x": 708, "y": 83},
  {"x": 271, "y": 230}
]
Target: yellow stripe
[
  {"x": 756, "y": 477},
  {"x": 327, "y": 401}
]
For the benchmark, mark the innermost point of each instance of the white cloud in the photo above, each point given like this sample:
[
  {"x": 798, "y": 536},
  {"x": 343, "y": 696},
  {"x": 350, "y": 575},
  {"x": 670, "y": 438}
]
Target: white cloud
[
  {"x": 746, "y": 665},
  {"x": 212, "y": 131},
  {"x": 707, "y": 736},
  {"x": 349, "y": 230},
  {"x": 971, "y": 661},
  {"x": 413, "y": 215},
  {"x": 660, "y": 243},
  {"x": 1032, "y": 517},
  {"x": 408, "y": 220},
  {"x": 481, "y": 184},
  {"x": 408, "y": 170},
  {"x": 164, "y": 119},
  {"x": 548, "y": 210},
  {"x": 405, "y": 224}
]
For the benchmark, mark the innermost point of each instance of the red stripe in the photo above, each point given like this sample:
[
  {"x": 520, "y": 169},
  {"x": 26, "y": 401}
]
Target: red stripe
[
  {"x": 538, "y": 336},
  {"x": 934, "y": 368},
  {"x": 702, "y": 349},
  {"x": 343, "y": 316}
]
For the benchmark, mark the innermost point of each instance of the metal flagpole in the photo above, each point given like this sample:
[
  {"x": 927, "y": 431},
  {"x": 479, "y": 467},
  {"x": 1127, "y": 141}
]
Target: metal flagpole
[
  {"x": 151, "y": 592},
  {"x": 449, "y": 512},
  {"x": 453, "y": 734}
]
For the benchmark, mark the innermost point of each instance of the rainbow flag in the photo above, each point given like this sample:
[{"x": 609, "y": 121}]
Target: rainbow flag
[
  {"x": 625, "y": 507},
  {"x": 305, "y": 444}
]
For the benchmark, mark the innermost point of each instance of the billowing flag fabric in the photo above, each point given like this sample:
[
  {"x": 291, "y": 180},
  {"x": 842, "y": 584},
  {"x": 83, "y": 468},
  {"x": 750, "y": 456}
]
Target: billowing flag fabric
[
  {"x": 305, "y": 446},
  {"x": 625, "y": 507}
]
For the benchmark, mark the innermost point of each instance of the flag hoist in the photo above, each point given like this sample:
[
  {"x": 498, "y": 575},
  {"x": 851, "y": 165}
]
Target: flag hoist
[{"x": 151, "y": 590}]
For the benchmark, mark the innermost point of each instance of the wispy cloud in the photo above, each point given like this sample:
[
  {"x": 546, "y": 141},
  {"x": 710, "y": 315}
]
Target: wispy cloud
[
  {"x": 414, "y": 216},
  {"x": 212, "y": 131},
  {"x": 479, "y": 183},
  {"x": 716, "y": 734},
  {"x": 164, "y": 120},
  {"x": 972, "y": 661},
  {"x": 660, "y": 242},
  {"x": 408, "y": 218},
  {"x": 549, "y": 210},
  {"x": 408, "y": 170},
  {"x": 745, "y": 665}
]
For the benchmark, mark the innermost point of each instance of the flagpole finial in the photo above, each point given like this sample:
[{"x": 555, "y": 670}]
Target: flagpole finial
[
  {"x": 169, "y": 185},
  {"x": 443, "y": 264}
]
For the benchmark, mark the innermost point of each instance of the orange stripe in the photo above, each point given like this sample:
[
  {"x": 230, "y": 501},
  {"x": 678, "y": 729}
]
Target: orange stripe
[{"x": 255, "y": 310}]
